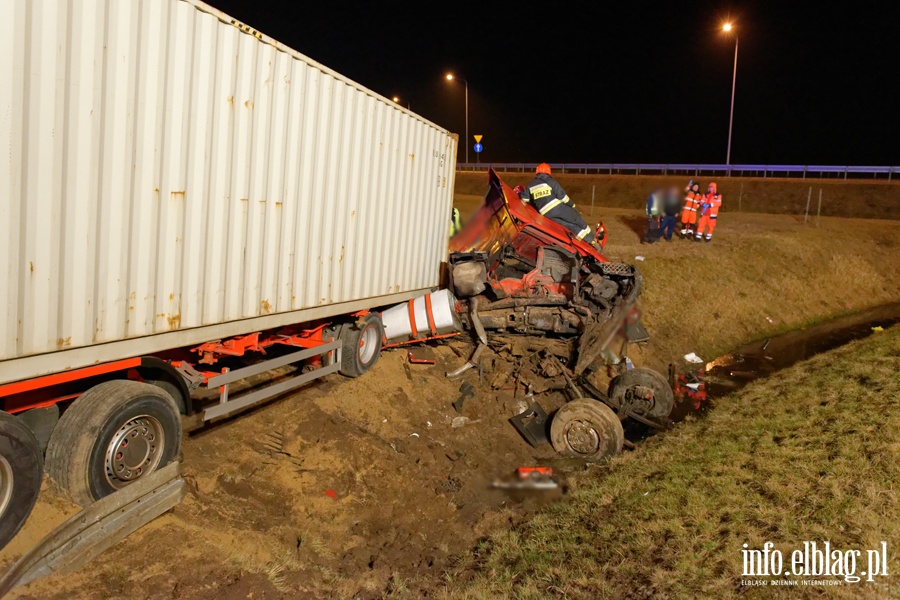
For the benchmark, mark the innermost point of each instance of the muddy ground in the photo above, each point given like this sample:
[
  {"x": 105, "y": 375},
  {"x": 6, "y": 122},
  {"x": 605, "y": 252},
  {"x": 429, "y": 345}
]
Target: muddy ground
[{"x": 350, "y": 488}]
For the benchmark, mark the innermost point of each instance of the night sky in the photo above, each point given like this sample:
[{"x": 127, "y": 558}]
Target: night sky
[{"x": 624, "y": 82}]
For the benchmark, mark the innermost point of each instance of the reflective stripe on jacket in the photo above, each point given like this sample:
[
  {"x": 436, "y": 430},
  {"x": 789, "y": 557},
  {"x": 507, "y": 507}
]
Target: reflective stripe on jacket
[{"x": 545, "y": 193}]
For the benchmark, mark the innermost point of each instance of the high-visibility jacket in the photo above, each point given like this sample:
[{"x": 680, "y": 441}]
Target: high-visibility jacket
[
  {"x": 691, "y": 199},
  {"x": 710, "y": 204},
  {"x": 654, "y": 204},
  {"x": 549, "y": 198},
  {"x": 544, "y": 193},
  {"x": 455, "y": 222}
]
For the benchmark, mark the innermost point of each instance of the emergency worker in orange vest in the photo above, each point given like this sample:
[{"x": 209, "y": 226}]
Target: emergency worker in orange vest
[
  {"x": 709, "y": 213},
  {"x": 692, "y": 197}
]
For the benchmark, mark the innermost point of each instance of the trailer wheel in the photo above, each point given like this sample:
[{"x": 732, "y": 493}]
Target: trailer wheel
[
  {"x": 586, "y": 429},
  {"x": 20, "y": 475},
  {"x": 112, "y": 435},
  {"x": 648, "y": 392},
  {"x": 361, "y": 345}
]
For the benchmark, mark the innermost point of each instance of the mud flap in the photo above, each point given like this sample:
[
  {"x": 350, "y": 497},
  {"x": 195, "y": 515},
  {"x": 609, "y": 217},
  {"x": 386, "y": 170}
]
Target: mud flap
[
  {"x": 96, "y": 528},
  {"x": 596, "y": 338},
  {"x": 532, "y": 425}
]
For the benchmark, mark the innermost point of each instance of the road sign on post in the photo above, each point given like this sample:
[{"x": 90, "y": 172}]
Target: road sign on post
[
  {"x": 478, "y": 147},
  {"x": 478, "y": 138}
]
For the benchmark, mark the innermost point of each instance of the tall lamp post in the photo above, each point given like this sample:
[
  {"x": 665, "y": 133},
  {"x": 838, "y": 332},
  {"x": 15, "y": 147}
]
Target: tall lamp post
[
  {"x": 451, "y": 77},
  {"x": 727, "y": 28}
]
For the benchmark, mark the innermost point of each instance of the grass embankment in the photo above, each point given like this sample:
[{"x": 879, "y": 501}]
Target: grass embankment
[
  {"x": 852, "y": 198},
  {"x": 762, "y": 274},
  {"x": 808, "y": 454}
]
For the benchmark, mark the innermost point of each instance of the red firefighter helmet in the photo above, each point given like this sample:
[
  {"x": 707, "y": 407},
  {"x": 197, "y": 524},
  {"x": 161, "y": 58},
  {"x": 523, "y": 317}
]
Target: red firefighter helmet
[{"x": 542, "y": 168}]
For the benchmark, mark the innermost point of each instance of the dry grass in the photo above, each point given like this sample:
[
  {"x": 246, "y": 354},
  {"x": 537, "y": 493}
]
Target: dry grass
[
  {"x": 808, "y": 454},
  {"x": 853, "y": 198}
]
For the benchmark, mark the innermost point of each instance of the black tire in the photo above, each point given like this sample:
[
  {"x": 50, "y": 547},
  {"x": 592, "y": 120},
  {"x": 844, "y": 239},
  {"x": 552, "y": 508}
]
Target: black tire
[
  {"x": 173, "y": 390},
  {"x": 654, "y": 394},
  {"x": 112, "y": 435},
  {"x": 587, "y": 429},
  {"x": 20, "y": 475},
  {"x": 361, "y": 345}
]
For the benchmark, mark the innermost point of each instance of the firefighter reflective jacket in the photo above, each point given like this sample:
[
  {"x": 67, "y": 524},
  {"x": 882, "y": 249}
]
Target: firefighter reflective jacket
[{"x": 549, "y": 198}]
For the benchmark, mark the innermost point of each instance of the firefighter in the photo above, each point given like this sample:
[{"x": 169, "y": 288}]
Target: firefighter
[
  {"x": 654, "y": 207},
  {"x": 549, "y": 198},
  {"x": 671, "y": 208},
  {"x": 709, "y": 212},
  {"x": 689, "y": 213},
  {"x": 455, "y": 222}
]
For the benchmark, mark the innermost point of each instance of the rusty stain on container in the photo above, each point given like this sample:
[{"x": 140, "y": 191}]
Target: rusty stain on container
[
  {"x": 230, "y": 100},
  {"x": 63, "y": 342},
  {"x": 31, "y": 266},
  {"x": 178, "y": 195},
  {"x": 341, "y": 258},
  {"x": 174, "y": 320},
  {"x": 265, "y": 306},
  {"x": 171, "y": 296}
]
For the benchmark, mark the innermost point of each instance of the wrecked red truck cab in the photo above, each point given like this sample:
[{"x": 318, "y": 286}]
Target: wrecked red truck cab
[{"x": 515, "y": 270}]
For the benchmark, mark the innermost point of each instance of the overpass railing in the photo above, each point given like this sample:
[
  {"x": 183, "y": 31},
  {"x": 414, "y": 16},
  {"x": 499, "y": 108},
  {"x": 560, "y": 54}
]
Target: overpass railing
[{"x": 743, "y": 170}]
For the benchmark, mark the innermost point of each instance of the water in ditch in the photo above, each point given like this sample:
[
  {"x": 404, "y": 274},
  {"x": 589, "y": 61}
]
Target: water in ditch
[{"x": 732, "y": 371}]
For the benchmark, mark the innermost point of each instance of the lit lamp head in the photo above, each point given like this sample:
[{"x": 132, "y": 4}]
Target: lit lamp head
[
  {"x": 726, "y": 27},
  {"x": 449, "y": 76}
]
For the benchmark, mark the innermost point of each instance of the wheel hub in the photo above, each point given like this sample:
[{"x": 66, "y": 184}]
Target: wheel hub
[
  {"x": 582, "y": 438},
  {"x": 642, "y": 399},
  {"x": 6, "y": 484},
  {"x": 368, "y": 344},
  {"x": 134, "y": 451}
]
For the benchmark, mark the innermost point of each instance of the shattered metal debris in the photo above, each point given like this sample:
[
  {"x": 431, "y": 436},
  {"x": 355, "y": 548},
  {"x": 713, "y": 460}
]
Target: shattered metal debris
[
  {"x": 466, "y": 390},
  {"x": 532, "y": 425}
]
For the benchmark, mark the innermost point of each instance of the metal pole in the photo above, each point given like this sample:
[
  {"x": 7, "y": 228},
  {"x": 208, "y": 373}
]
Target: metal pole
[
  {"x": 593, "y": 190},
  {"x": 731, "y": 117},
  {"x": 467, "y": 120},
  {"x": 819, "y": 212},
  {"x": 741, "y": 199},
  {"x": 808, "y": 197}
]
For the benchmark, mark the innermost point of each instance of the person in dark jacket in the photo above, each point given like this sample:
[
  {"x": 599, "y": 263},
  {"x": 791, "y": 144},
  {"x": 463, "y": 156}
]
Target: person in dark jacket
[
  {"x": 549, "y": 198},
  {"x": 671, "y": 209}
]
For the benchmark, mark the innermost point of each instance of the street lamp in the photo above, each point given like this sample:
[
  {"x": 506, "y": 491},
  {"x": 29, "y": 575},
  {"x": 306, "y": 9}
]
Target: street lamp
[
  {"x": 451, "y": 77},
  {"x": 396, "y": 99},
  {"x": 727, "y": 28}
]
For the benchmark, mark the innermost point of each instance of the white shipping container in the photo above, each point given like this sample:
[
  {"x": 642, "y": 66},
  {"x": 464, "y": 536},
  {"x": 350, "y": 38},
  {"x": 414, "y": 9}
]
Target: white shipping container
[{"x": 170, "y": 176}]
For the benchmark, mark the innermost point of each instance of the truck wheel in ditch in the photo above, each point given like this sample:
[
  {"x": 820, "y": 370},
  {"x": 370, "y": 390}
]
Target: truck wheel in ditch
[
  {"x": 361, "y": 345},
  {"x": 648, "y": 392},
  {"x": 20, "y": 475},
  {"x": 586, "y": 429},
  {"x": 112, "y": 435}
]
